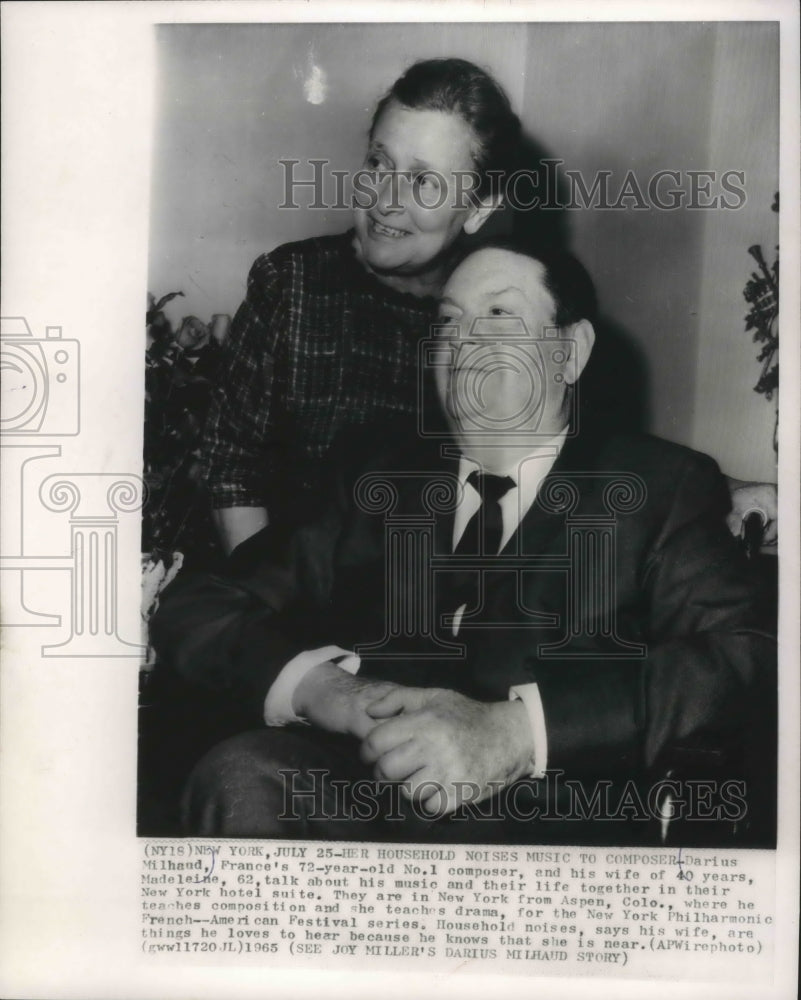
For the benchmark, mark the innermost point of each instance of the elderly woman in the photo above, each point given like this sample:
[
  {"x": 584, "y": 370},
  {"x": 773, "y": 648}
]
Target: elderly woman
[
  {"x": 327, "y": 336},
  {"x": 326, "y": 339}
]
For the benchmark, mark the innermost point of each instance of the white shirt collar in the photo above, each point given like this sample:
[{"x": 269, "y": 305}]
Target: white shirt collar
[{"x": 527, "y": 472}]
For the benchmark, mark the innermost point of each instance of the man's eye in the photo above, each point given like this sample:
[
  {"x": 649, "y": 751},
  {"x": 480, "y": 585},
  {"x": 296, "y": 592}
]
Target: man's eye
[
  {"x": 499, "y": 311},
  {"x": 375, "y": 162}
]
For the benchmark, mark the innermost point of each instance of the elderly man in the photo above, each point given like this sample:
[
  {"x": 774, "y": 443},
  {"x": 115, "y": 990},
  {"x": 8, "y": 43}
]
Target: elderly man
[{"x": 508, "y": 599}]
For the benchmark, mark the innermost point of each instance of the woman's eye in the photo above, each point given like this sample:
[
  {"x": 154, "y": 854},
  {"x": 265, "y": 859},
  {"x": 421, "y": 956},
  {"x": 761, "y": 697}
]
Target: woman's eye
[{"x": 429, "y": 186}]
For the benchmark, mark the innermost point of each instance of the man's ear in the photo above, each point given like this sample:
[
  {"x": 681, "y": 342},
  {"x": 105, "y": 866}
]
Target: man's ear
[
  {"x": 583, "y": 336},
  {"x": 480, "y": 212}
]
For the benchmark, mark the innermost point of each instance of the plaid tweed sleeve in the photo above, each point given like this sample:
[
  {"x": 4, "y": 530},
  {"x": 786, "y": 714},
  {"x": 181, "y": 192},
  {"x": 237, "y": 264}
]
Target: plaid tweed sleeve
[{"x": 240, "y": 420}]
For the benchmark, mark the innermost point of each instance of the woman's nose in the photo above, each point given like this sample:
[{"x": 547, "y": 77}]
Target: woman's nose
[{"x": 394, "y": 189}]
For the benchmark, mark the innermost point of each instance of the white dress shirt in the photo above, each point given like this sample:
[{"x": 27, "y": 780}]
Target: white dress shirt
[{"x": 528, "y": 473}]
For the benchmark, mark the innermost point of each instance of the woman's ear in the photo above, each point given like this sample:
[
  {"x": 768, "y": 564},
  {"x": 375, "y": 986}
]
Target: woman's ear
[
  {"x": 583, "y": 336},
  {"x": 480, "y": 212}
]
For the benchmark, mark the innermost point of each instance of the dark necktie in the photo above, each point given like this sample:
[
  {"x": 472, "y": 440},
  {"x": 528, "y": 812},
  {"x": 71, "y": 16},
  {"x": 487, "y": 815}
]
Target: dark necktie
[
  {"x": 482, "y": 536},
  {"x": 483, "y": 532}
]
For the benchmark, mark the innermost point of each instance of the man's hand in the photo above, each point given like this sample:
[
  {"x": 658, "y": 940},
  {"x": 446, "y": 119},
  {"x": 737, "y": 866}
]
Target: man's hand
[
  {"x": 331, "y": 698},
  {"x": 450, "y": 749}
]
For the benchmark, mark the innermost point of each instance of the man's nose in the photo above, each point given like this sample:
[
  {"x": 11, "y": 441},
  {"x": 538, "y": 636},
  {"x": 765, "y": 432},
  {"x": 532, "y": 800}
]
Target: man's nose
[{"x": 476, "y": 331}]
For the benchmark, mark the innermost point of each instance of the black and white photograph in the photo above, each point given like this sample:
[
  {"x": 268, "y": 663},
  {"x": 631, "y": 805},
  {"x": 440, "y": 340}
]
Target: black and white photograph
[
  {"x": 470, "y": 501},
  {"x": 410, "y": 602}
]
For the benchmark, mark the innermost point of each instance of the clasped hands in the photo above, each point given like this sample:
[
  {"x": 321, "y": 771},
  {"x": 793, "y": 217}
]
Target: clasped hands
[{"x": 445, "y": 748}]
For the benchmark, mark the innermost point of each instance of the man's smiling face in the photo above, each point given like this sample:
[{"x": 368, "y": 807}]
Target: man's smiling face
[{"x": 509, "y": 365}]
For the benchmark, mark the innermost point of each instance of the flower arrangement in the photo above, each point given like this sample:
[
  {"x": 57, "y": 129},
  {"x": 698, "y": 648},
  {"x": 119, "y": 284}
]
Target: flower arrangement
[
  {"x": 762, "y": 294},
  {"x": 180, "y": 368}
]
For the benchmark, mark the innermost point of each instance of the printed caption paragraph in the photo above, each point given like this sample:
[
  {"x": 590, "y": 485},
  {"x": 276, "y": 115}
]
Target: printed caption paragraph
[{"x": 690, "y": 913}]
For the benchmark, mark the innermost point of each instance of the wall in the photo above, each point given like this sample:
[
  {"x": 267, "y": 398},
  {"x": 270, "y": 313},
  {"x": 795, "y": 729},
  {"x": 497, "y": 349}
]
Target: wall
[
  {"x": 232, "y": 102},
  {"x": 642, "y": 97},
  {"x": 650, "y": 97},
  {"x": 620, "y": 97},
  {"x": 732, "y": 422}
]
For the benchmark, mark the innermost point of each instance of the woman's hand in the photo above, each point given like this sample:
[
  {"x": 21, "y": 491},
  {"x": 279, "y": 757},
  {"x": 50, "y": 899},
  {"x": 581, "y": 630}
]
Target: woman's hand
[
  {"x": 236, "y": 524},
  {"x": 335, "y": 700},
  {"x": 753, "y": 498}
]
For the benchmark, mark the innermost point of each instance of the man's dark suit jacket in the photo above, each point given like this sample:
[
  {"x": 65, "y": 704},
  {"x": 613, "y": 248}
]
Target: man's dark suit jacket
[{"x": 679, "y": 584}]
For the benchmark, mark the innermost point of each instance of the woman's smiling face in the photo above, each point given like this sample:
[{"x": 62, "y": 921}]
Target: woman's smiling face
[{"x": 417, "y": 210}]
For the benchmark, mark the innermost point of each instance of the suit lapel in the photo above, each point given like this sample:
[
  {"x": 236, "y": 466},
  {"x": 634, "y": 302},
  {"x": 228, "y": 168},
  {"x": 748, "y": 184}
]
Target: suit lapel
[
  {"x": 428, "y": 485},
  {"x": 545, "y": 519},
  {"x": 540, "y": 528},
  {"x": 448, "y": 463}
]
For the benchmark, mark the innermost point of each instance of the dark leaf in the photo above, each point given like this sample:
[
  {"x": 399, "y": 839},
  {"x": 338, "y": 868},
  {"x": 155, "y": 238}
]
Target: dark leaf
[{"x": 167, "y": 298}]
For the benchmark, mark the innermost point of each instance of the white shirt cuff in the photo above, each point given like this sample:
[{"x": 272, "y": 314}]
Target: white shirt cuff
[
  {"x": 278, "y": 710},
  {"x": 529, "y": 694}
]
